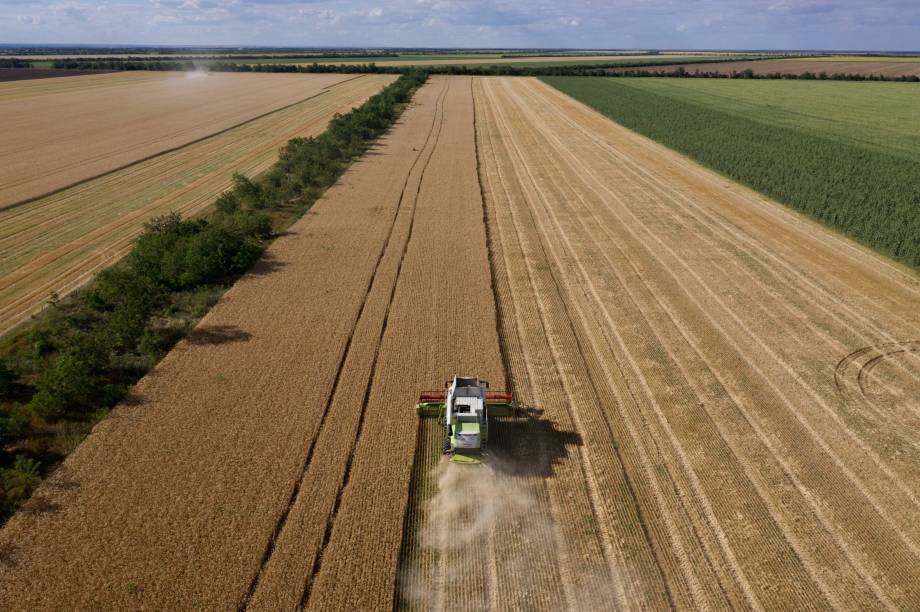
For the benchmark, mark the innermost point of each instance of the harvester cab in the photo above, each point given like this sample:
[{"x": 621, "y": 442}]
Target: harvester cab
[{"x": 464, "y": 408}]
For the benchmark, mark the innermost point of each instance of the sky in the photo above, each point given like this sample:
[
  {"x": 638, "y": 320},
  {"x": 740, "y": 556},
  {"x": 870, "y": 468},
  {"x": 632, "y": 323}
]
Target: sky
[{"x": 890, "y": 25}]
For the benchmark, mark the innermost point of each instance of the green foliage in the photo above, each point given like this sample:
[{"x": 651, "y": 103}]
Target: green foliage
[
  {"x": 20, "y": 480},
  {"x": 870, "y": 195},
  {"x": 7, "y": 379},
  {"x": 74, "y": 383}
]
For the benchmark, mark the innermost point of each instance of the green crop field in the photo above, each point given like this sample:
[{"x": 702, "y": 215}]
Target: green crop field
[
  {"x": 844, "y": 153},
  {"x": 859, "y": 58}
]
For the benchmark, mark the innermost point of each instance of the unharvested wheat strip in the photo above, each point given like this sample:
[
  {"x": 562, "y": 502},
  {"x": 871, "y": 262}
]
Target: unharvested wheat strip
[
  {"x": 286, "y": 573},
  {"x": 663, "y": 245},
  {"x": 540, "y": 190},
  {"x": 442, "y": 322},
  {"x": 178, "y": 495},
  {"x": 93, "y": 224}
]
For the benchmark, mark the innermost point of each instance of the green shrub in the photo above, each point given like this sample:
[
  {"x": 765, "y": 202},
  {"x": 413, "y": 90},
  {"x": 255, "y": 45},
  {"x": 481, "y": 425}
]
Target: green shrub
[
  {"x": 7, "y": 379},
  {"x": 74, "y": 383},
  {"x": 20, "y": 480}
]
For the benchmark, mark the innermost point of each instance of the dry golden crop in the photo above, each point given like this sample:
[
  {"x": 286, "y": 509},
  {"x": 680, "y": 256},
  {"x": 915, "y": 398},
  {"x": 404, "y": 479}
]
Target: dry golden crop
[
  {"x": 57, "y": 132},
  {"x": 57, "y": 242}
]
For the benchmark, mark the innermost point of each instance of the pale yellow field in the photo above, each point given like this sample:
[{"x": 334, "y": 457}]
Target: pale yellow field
[
  {"x": 60, "y": 131},
  {"x": 56, "y": 243}
]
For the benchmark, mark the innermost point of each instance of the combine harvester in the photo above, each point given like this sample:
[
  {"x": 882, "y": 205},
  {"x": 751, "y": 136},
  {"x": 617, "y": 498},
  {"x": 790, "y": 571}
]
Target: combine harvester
[{"x": 464, "y": 409}]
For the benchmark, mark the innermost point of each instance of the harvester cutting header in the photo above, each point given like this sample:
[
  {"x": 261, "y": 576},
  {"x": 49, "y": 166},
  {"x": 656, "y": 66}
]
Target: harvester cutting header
[{"x": 465, "y": 407}]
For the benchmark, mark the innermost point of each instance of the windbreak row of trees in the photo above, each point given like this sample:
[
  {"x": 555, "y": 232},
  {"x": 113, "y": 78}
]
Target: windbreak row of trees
[
  {"x": 869, "y": 195},
  {"x": 12, "y": 62},
  {"x": 233, "y": 57},
  {"x": 84, "y": 353}
]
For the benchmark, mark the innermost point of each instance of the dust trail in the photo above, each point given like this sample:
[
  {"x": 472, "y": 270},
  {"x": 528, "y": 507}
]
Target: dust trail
[{"x": 485, "y": 522}]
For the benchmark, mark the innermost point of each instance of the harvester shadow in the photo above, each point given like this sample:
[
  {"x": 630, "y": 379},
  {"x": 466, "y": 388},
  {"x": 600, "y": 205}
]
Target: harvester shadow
[
  {"x": 217, "y": 334},
  {"x": 528, "y": 445}
]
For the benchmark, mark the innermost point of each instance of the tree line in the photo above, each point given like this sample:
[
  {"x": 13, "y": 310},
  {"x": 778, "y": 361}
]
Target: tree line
[{"x": 617, "y": 69}]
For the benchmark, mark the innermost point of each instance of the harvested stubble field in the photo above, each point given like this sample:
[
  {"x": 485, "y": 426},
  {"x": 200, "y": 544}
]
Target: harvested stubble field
[
  {"x": 700, "y": 340},
  {"x": 55, "y": 243},
  {"x": 720, "y": 397},
  {"x": 864, "y": 66},
  {"x": 58, "y": 132}
]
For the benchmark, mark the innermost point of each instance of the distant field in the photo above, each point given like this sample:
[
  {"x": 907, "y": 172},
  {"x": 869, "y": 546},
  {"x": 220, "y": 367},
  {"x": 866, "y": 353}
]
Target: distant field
[
  {"x": 843, "y": 153},
  {"x": 859, "y": 58},
  {"x": 866, "y": 66},
  {"x": 471, "y": 60},
  {"x": 57, "y": 242},
  {"x": 61, "y": 131},
  {"x": 880, "y": 116}
]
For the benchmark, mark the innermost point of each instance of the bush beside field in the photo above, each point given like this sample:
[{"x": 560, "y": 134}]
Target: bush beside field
[
  {"x": 868, "y": 194},
  {"x": 84, "y": 353}
]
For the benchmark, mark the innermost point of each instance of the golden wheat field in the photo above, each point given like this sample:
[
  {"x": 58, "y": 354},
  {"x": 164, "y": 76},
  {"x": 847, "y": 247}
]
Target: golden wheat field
[
  {"x": 717, "y": 397},
  {"x": 56, "y": 242},
  {"x": 58, "y": 132}
]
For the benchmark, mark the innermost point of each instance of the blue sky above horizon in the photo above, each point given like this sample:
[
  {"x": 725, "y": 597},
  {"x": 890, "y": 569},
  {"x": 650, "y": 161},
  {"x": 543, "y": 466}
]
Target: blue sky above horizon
[{"x": 890, "y": 25}]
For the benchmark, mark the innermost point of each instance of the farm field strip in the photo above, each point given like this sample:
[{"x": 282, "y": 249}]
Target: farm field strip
[
  {"x": 462, "y": 60},
  {"x": 797, "y": 66},
  {"x": 698, "y": 327},
  {"x": 199, "y": 470},
  {"x": 285, "y": 579},
  {"x": 441, "y": 322},
  {"x": 878, "y": 116},
  {"x": 63, "y": 131},
  {"x": 57, "y": 242}
]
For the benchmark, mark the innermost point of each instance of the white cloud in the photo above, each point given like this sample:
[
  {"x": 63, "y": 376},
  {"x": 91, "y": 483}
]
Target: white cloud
[{"x": 882, "y": 24}]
